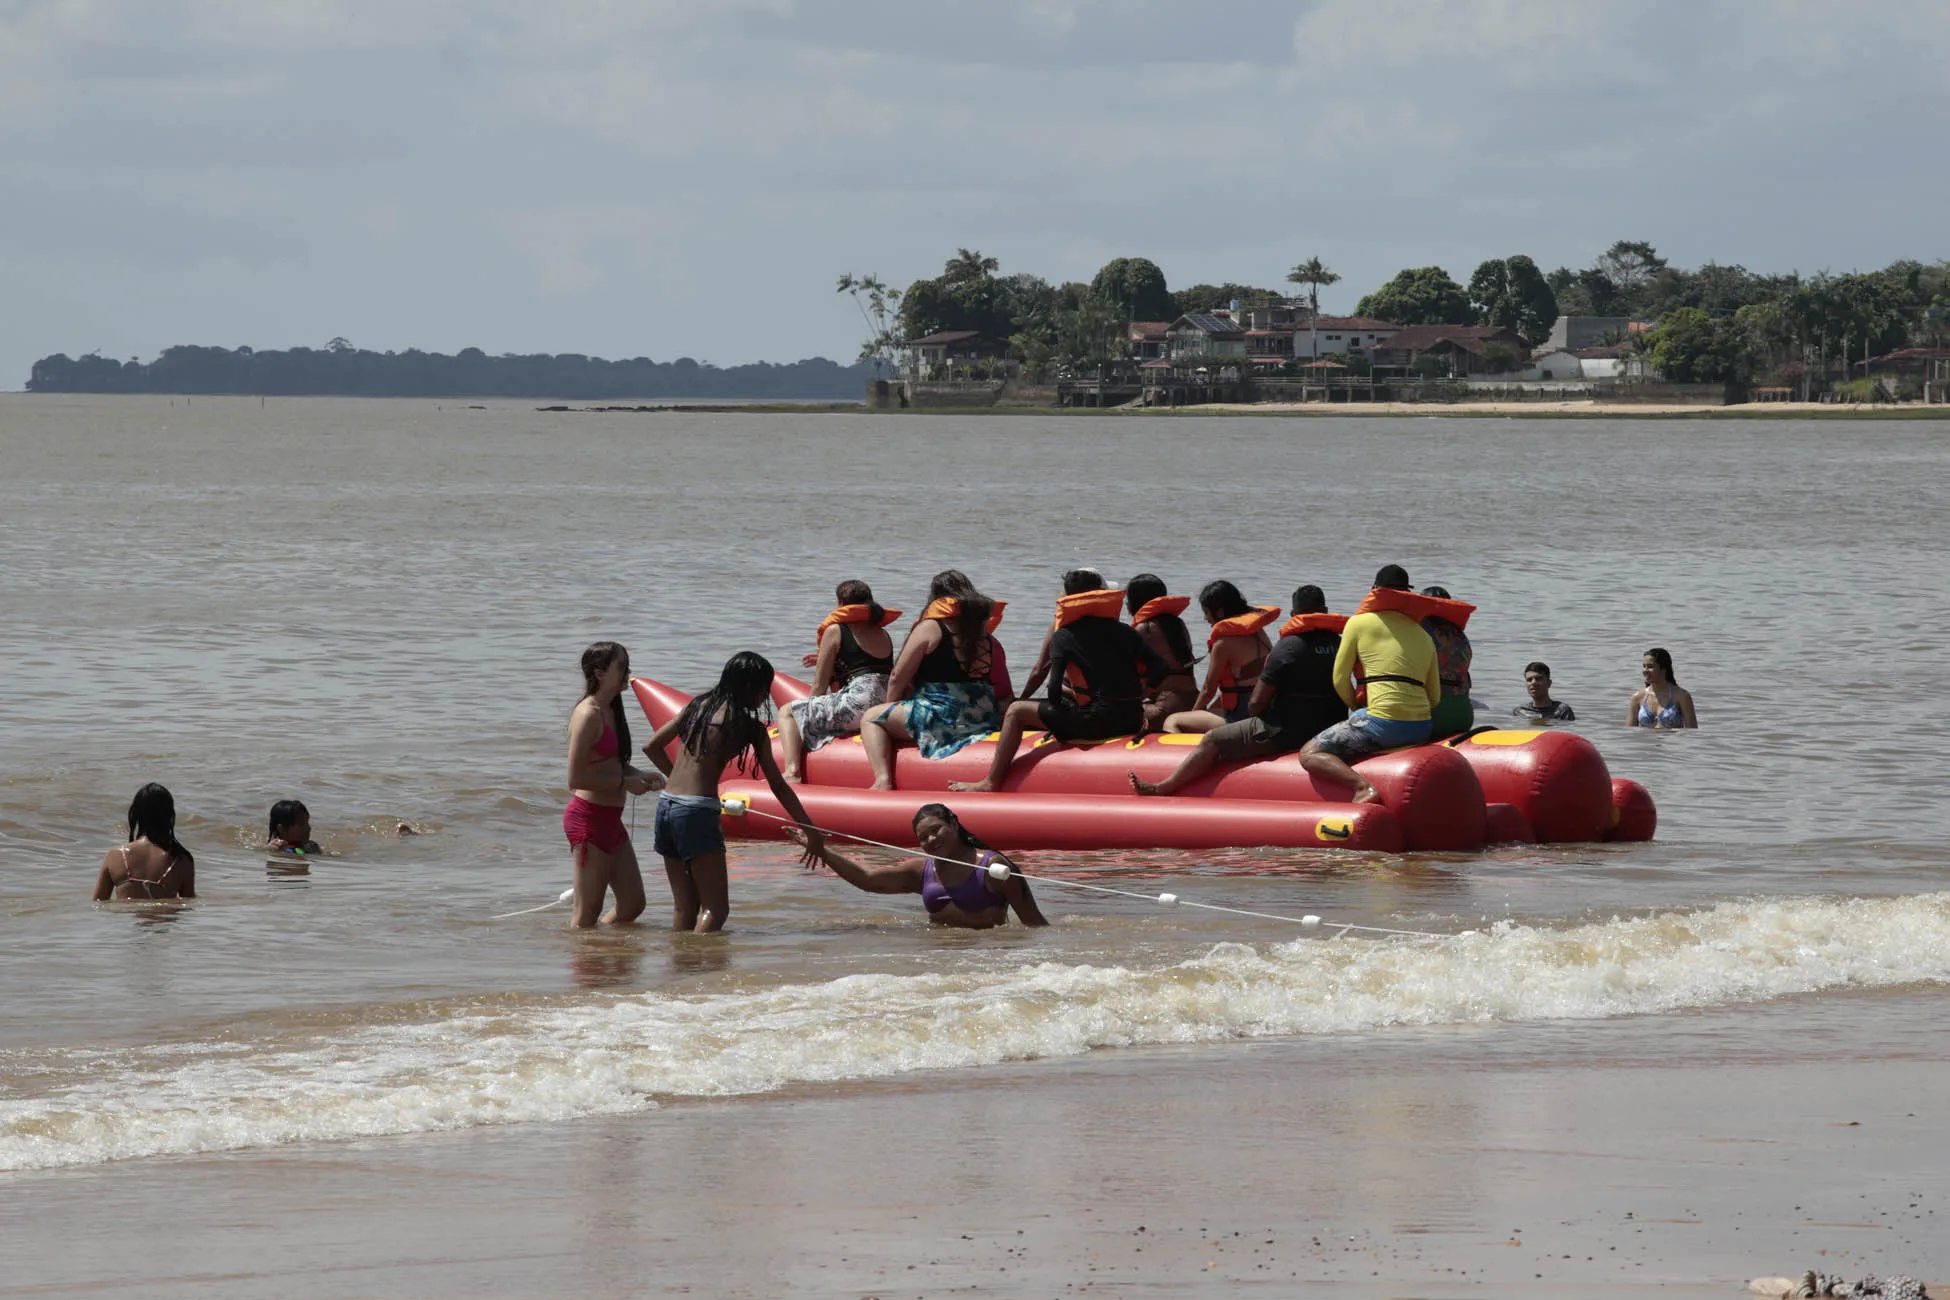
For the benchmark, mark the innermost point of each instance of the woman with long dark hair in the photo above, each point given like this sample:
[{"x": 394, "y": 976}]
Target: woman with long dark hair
[
  {"x": 954, "y": 880},
  {"x": 1662, "y": 702},
  {"x": 151, "y": 864},
  {"x": 851, "y": 663},
  {"x": 1236, "y": 647},
  {"x": 600, "y": 779},
  {"x": 950, "y": 683},
  {"x": 724, "y": 726}
]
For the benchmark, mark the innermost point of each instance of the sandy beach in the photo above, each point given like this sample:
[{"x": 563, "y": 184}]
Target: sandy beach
[{"x": 1642, "y": 1159}]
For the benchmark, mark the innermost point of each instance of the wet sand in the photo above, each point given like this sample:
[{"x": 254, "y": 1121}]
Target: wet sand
[
  {"x": 1588, "y": 1159},
  {"x": 1584, "y": 407}
]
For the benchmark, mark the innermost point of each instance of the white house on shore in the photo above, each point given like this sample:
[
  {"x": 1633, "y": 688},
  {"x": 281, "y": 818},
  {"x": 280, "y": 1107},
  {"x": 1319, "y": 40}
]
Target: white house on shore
[{"x": 1331, "y": 334}]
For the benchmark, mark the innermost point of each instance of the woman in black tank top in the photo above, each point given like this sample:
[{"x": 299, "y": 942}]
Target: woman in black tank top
[{"x": 949, "y": 685}]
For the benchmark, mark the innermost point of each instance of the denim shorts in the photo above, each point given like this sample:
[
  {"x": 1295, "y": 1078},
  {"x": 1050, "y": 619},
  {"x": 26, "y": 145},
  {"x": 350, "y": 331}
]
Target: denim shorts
[
  {"x": 687, "y": 830},
  {"x": 1362, "y": 736}
]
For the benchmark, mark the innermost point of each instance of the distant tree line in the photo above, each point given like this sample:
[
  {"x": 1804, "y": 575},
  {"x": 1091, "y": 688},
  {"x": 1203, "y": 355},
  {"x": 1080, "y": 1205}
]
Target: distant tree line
[
  {"x": 342, "y": 370},
  {"x": 1717, "y": 323}
]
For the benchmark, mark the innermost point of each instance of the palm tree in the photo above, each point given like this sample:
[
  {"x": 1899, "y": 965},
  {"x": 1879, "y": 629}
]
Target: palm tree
[
  {"x": 1315, "y": 273},
  {"x": 967, "y": 267}
]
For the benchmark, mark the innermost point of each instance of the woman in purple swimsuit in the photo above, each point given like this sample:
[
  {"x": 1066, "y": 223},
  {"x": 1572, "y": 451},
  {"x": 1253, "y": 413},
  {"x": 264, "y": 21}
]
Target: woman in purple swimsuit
[{"x": 953, "y": 880}]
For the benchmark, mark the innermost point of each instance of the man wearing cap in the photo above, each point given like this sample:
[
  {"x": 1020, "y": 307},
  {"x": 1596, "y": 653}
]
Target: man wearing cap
[{"x": 1399, "y": 669}]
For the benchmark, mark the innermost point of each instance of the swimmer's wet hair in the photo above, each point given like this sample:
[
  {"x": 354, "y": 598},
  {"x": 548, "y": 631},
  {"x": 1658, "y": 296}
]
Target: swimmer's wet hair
[
  {"x": 743, "y": 693},
  {"x": 287, "y": 812},
  {"x": 1537, "y": 666},
  {"x": 152, "y": 817},
  {"x": 1440, "y": 593},
  {"x": 1662, "y": 658},
  {"x": 1309, "y": 599}
]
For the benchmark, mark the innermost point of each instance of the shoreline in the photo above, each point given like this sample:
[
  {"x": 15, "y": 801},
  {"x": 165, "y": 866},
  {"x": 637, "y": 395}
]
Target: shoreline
[{"x": 1587, "y": 1158}]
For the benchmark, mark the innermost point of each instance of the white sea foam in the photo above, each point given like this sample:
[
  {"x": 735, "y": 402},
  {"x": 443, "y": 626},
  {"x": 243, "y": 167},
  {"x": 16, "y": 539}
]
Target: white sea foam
[{"x": 618, "y": 1056}]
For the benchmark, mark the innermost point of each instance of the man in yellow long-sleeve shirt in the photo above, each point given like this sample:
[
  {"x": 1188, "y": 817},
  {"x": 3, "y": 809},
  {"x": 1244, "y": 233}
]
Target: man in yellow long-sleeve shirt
[{"x": 1404, "y": 682}]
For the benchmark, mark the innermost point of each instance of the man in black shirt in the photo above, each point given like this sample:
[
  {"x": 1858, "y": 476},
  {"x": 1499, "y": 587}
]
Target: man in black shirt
[
  {"x": 1294, "y": 701},
  {"x": 1095, "y": 692},
  {"x": 1537, "y": 680}
]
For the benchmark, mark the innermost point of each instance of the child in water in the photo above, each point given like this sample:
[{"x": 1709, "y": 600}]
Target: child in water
[
  {"x": 290, "y": 829},
  {"x": 953, "y": 880},
  {"x": 725, "y": 725}
]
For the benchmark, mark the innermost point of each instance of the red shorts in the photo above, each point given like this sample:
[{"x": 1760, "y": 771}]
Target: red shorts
[{"x": 595, "y": 824}]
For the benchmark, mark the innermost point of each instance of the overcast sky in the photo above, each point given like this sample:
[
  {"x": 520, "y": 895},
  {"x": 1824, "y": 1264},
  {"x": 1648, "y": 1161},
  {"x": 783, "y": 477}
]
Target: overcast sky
[{"x": 653, "y": 178}]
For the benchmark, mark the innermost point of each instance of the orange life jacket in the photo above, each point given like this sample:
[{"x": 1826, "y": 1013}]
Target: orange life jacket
[
  {"x": 948, "y": 607},
  {"x": 1107, "y": 603},
  {"x": 853, "y": 614},
  {"x": 1321, "y": 622},
  {"x": 1241, "y": 625},
  {"x": 1417, "y": 607},
  {"x": 1151, "y": 609}
]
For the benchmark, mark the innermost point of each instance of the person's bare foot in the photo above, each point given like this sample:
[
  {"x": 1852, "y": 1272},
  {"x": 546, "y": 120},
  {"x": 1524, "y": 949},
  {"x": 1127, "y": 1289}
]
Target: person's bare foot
[
  {"x": 983, "y": 786},
  {"x": 795, "y": 777},
  {"x": 1365, "y": 793},
  {"x": 883, "y": 785},
  {"x": 1141, "y": 787}
]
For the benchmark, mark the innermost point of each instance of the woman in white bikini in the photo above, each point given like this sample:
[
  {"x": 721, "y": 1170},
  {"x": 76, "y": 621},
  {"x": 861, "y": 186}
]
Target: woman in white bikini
[{"x": 151, "y": 864}]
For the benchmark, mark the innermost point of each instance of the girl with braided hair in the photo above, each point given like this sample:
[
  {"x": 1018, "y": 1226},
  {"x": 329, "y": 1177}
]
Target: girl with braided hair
[{"x": 724, "y": 726}]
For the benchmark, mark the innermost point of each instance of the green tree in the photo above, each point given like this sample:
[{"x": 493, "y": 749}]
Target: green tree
[
  {"x": 877, "y": 304},
  {"x": 1691, "y": 347},
  {"x": 967, "y": 295},
  {"x": 1630, "y": 265},
  {"x": 1513, "y": 293},
  {"x": 1206, "y": 297},
  {"x": 1316, "y": 275},
  {"x": 1422, "y": 296},
  {"x": 1134, "y": 286}
]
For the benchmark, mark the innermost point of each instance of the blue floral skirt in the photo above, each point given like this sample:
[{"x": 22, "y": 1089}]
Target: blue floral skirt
[{"x": 944, "y": 716}]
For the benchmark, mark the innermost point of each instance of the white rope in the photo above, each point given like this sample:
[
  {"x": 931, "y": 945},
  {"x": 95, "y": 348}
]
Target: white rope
[
  {"x": 567, "y": 894},
  {"x": 739, "y": 807}
]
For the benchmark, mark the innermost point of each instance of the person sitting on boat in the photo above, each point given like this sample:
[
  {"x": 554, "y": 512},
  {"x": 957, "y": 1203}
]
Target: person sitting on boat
[
  {"x": 1662, "y": 702},
  {"x": 1293, "y": 701},
  {"x": 152, "y": 863},
  {"x": 1039, "y": 671},
  {"x": 1095, "y": 692},
  {"x": 943, "y": 694},
  {"x": 953, "y": 880},
  {"x": 850, "y": 670},
  {"x": 1403, "y": 680},
  {"x": 1540, "y": 707},
  {"x": 1455, "y": 713},
  {"x": 1155, "y": 618},
  {"x": 290, "y": 829},
  {"x": 1236, "y": 650}
]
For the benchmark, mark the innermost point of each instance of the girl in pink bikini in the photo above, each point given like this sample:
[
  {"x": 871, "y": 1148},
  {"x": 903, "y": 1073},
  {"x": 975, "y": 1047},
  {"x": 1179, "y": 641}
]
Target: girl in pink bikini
[{"x": 600, "y": 777}]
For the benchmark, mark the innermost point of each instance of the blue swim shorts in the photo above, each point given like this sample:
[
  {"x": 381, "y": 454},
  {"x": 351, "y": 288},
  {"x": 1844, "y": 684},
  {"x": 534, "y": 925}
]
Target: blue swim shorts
[
  {"x": 1362, "y": 736},
  {"x": 688, "y": 827}
]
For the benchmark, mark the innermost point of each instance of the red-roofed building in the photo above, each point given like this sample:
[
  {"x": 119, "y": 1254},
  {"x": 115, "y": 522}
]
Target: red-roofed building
[
  {"x": 1147, "y": 338},
  {"x": 1465, "y": 346}
]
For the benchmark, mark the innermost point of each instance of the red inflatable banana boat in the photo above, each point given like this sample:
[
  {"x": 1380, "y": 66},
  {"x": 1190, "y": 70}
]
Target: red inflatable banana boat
[{"x": 1494, "y": 787}]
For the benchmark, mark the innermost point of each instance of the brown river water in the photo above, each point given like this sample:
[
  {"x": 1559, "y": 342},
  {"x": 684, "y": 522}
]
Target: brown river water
[{"x": 377, "y": 607}]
